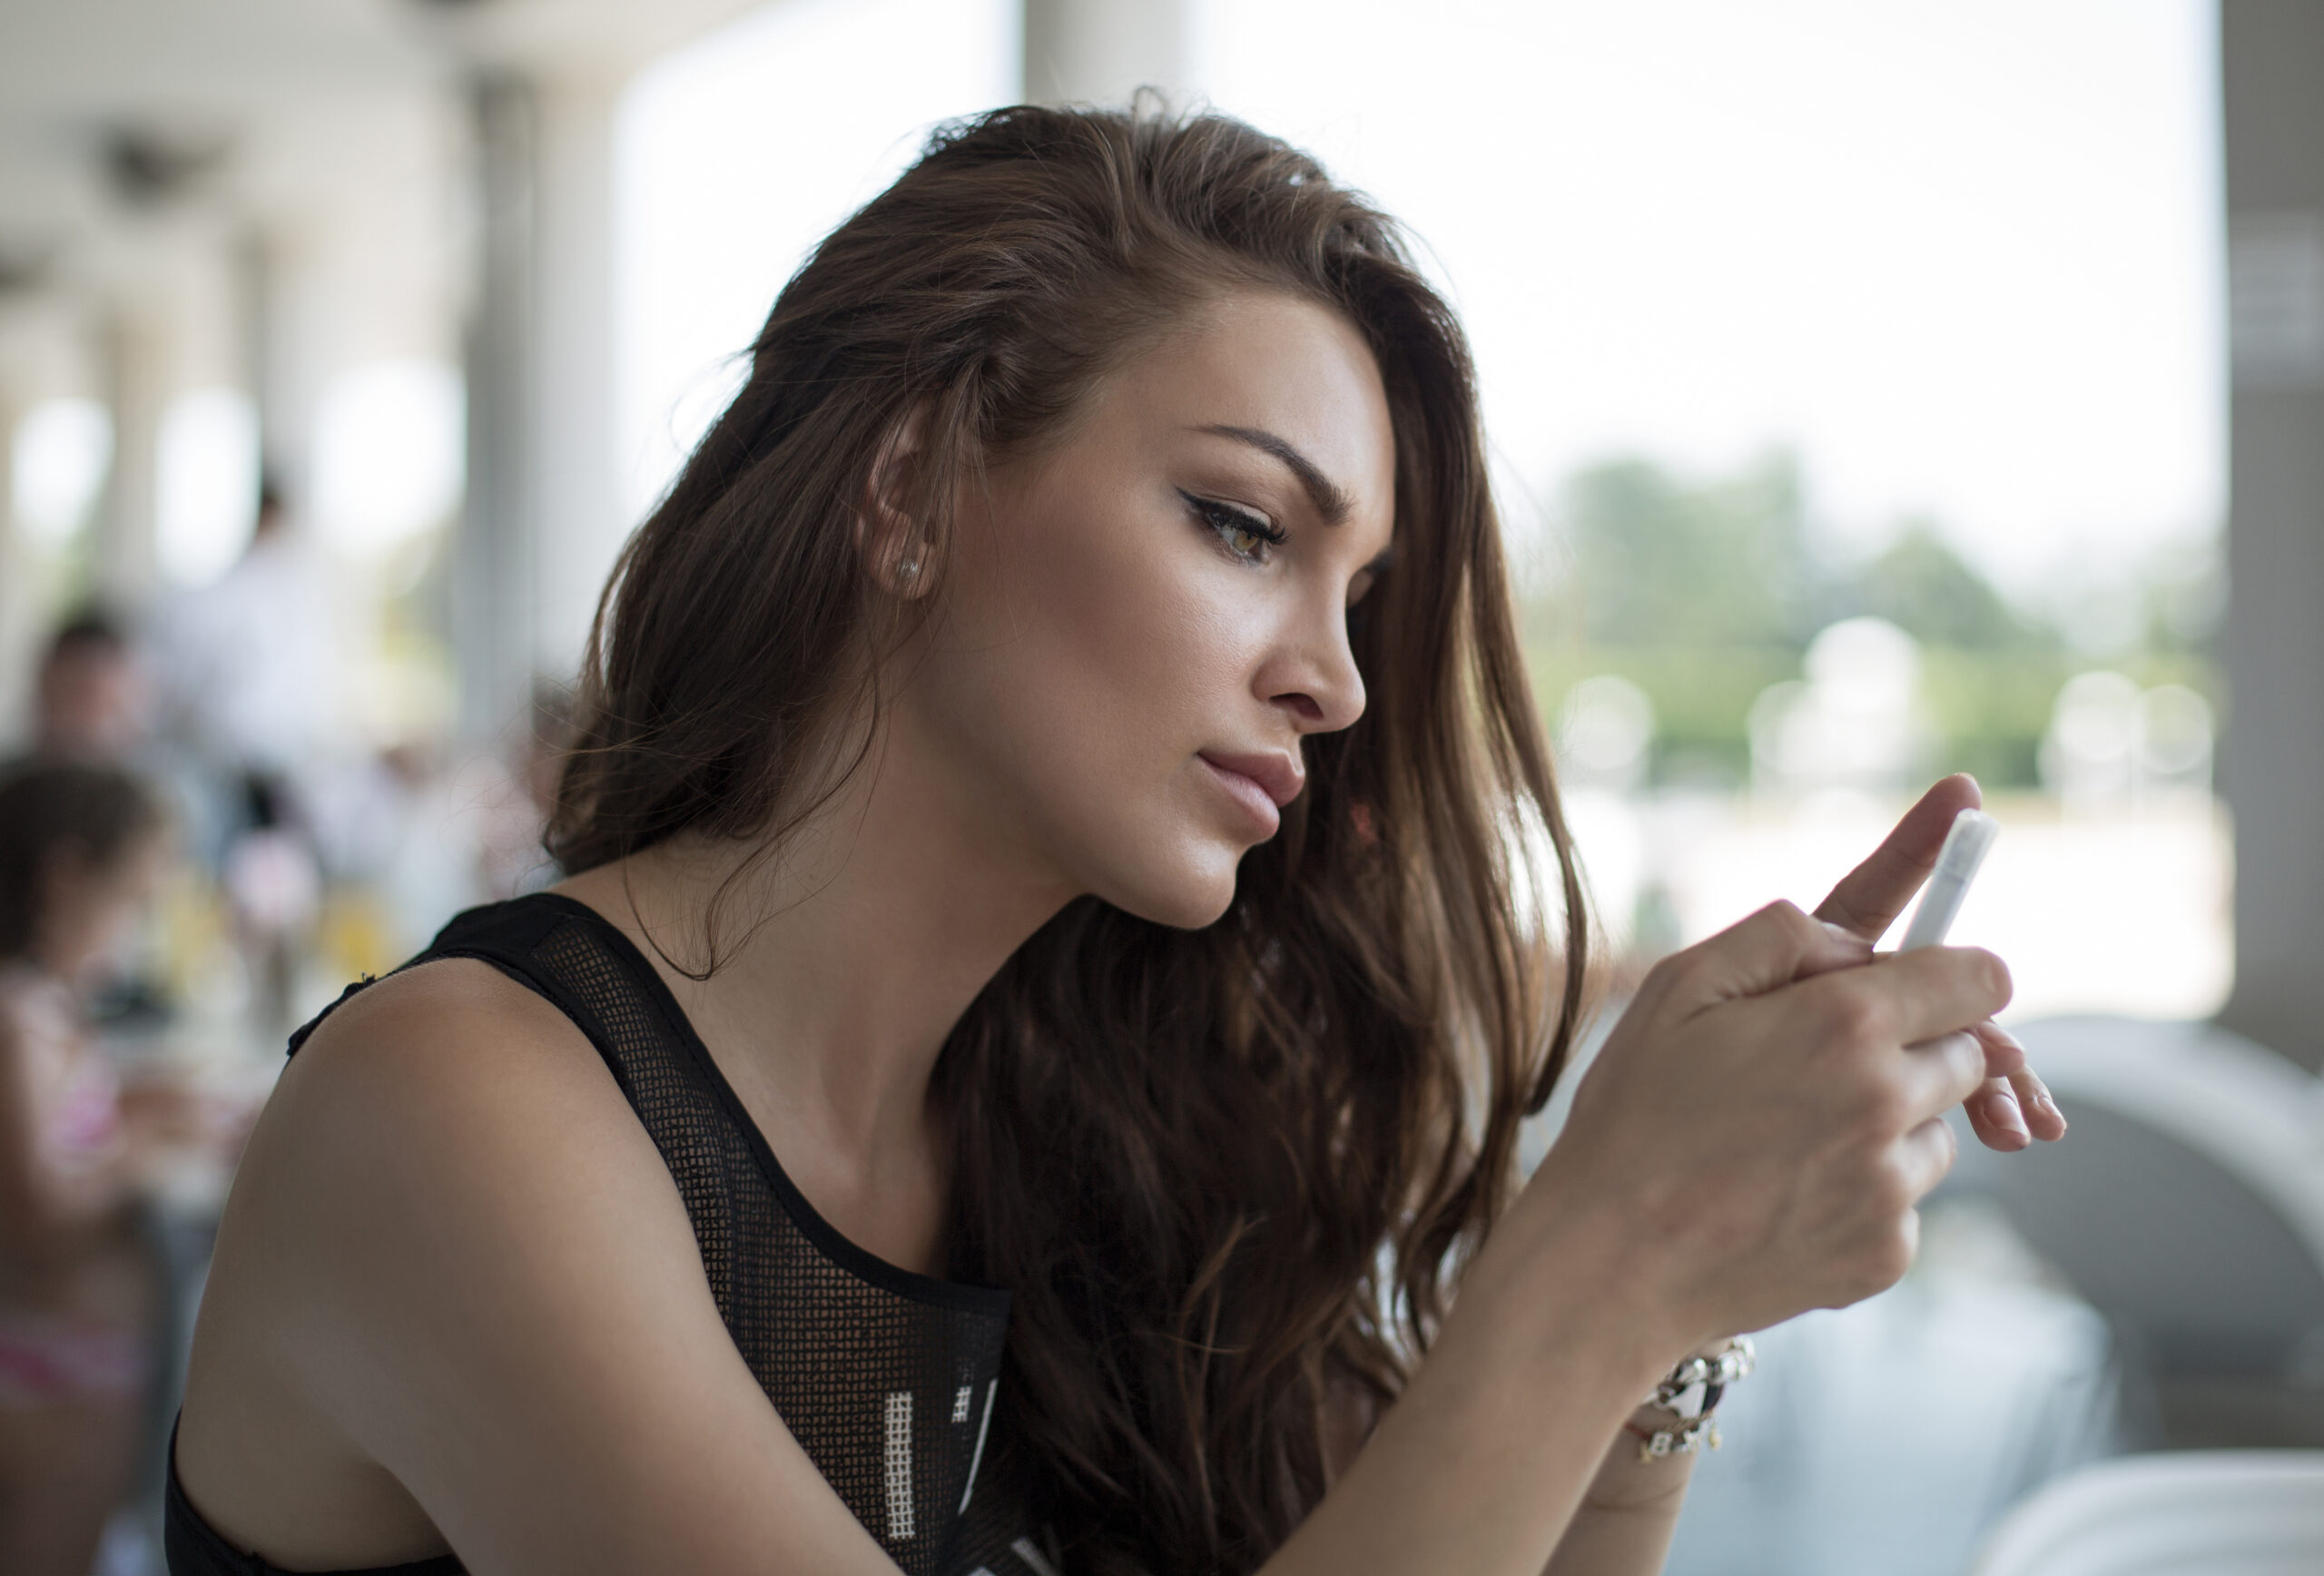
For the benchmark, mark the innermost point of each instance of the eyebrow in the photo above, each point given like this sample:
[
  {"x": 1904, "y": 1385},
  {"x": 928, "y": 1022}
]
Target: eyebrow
[{"x": 1330, "y": 500}]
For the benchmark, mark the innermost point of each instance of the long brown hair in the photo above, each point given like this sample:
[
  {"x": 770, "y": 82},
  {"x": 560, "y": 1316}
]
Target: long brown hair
[{"x": 1226, "y": 1172}]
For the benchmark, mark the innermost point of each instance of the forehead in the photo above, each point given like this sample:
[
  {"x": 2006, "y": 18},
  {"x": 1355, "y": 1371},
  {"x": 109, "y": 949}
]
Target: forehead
[{"x": 1269, "y": 361}]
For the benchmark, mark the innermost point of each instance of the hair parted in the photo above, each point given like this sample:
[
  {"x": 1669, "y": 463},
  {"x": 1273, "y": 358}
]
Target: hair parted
[{"x": 1226, "y": 1172}]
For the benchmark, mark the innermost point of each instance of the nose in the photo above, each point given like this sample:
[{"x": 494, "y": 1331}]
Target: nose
[{"x": 1312, "y": 677}]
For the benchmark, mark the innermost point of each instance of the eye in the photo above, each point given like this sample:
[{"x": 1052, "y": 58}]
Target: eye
[{"x": 1247, "y": 536}]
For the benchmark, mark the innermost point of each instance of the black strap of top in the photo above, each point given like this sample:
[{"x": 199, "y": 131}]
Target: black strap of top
[{"x": 888, "y": 1379}]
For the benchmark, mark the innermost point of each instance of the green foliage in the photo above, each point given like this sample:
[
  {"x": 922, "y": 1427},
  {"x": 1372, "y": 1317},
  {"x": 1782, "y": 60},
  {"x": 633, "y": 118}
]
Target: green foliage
[
  {"x": 1700, "y": 694},
  {"x": 1922, "y": 585},
  {"x": 1703, "y": 593},
  {"x": 1718, "y": 564},
  {"x": 1990, "y": 709}
]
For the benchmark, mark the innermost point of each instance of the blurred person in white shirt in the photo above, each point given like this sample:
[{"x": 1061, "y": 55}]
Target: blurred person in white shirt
[{"x": 248, "y": 665}]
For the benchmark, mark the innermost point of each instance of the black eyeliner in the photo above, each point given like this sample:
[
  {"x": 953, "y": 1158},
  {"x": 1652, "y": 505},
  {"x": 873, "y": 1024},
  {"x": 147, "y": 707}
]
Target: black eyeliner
[{"x": 1217, "y": 514}]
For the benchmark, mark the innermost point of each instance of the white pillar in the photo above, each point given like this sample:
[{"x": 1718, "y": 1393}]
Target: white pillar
[
  {"x": 2271, "y": 58},
  {"x": 581, "y": 522},
  {"x": 545, "y": 517},
  {"x": 140, "y": 362},
  {"x": 492, "y": 583},
  {"x": 20, "y": 620},
  {"x": 1101, "y": 51}
]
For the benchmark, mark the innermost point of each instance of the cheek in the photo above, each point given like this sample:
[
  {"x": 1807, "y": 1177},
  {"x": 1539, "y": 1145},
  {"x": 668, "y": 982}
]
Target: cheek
[
  {"x": 1145, "y": 653},
  {"x": 1111, "y": 659}
]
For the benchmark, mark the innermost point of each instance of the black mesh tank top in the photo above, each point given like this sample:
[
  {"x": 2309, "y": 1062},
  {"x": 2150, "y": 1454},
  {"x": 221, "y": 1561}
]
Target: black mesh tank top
[{"x": 889, "y": 1380}]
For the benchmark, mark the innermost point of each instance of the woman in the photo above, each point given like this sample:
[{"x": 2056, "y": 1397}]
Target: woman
[
  {"x": 80, "y": 848},
  {"x": 1040, "y": 828}
]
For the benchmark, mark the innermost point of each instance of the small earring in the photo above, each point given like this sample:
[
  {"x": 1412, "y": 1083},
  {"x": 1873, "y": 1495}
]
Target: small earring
[{"x": 908, "y": 570}]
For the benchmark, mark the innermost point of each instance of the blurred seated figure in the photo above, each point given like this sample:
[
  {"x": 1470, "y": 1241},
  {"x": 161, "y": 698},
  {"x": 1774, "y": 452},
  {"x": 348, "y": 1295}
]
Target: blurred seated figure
[
  {"x": 93, "y": 704},
  {"x": 80, "y": 848},
  {"x": 90, "y": 699}
]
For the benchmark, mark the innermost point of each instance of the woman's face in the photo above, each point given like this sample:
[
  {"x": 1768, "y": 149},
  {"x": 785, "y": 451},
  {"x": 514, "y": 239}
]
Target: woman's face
[{"x": 1143, "y": 622}]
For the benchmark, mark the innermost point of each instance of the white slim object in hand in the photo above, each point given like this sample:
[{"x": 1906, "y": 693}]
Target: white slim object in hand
[{"x": 1956, "y": 865}]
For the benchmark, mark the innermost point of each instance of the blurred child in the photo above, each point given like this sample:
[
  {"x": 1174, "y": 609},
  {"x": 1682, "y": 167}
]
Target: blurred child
[{"x": 81, "y": 849}]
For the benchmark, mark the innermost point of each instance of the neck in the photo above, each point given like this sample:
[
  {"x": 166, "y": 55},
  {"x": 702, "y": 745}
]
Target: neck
[{"x": 844, "y": 955}]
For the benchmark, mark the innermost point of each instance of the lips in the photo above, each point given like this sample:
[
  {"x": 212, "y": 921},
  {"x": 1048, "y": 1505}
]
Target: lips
[{"x": 1262, "y": 783}]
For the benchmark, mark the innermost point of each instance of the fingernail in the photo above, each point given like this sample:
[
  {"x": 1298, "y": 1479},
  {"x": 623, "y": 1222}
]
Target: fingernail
[
  {"x": 2002, "y": 1107},
  {"x": 2004, "y": 1035},
  {"x": 1843, "y": 935}
]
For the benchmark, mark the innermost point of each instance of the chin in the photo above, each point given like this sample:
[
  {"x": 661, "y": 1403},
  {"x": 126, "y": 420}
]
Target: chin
[{"x": 1188, "y": 893}]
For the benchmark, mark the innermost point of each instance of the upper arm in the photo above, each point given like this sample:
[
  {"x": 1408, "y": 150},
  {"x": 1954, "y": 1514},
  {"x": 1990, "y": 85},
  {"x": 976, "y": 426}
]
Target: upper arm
[{"x": 492, "y": 1290}]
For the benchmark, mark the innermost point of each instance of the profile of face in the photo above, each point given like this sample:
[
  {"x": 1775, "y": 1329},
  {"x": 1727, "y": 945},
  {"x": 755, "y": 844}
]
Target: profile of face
[{"x": 1144, "y": 620}]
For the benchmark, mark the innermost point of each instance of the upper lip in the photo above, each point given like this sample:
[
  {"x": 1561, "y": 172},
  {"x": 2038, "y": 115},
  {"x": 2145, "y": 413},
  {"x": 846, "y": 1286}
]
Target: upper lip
[{"x": 1281, "y": 776}]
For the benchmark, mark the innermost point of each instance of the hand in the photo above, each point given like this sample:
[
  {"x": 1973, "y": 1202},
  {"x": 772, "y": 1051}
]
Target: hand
[
  {"x": 1766, "y": 1115},
  {"x": 2012, "y": 1108}
]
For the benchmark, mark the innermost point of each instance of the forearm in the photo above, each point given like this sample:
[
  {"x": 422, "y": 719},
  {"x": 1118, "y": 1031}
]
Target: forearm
[
  {"x": 1626, "y": 1520},
  {"x": 1625, "y": 1541},
  {"x": 1484, "y": 1461}
]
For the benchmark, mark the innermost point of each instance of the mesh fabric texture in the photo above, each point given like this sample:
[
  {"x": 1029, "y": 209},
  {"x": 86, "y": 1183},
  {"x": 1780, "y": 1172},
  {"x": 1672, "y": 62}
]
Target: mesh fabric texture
[{"x": 889, "y": 1380}]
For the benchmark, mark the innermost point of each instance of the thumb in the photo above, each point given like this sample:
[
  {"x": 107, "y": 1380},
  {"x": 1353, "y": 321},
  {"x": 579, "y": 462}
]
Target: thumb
[{"x": 1765, "y": 952}]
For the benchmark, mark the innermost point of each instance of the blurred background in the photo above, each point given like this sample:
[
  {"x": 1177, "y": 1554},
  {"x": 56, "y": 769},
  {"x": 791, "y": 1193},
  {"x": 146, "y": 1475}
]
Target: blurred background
[{"x": 1877, "y": 392}]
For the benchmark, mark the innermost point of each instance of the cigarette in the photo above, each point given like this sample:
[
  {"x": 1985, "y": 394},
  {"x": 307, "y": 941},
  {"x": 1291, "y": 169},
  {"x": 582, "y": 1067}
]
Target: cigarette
[{"x": 1956, "y": 865}]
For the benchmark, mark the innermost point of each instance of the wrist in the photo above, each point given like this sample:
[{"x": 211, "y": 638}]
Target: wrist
[
  {"x": 1501, "y": 1435},
  {"x": 1679, "y": 1418},
  {"x": 1565, "y": 1244},
  {"x": 1555, "y": 1284}
]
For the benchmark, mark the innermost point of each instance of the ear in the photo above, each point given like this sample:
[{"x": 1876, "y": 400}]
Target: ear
[{"x": 898, "y": 547}]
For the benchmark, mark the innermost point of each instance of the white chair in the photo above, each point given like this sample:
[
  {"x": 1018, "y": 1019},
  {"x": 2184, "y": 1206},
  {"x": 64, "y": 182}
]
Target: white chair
[
  {"x": 2188, "y": 1202},
  {"x": 2206, "y": 1513}
]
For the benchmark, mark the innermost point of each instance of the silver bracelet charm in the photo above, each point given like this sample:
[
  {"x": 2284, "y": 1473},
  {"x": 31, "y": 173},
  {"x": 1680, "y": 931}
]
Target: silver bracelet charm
[
  {"x": 1686, "y": 1436},
  {"x": 1711, "y": 1375}
]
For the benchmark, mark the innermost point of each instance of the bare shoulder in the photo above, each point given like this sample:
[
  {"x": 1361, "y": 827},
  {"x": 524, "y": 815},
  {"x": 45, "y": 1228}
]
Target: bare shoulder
[
  {"x": 403, "y": 1111},
  {"x": 447, "y": 1063},
  {"x": 458, "y": 1302},
  {"x": 444, "y": 1086}
]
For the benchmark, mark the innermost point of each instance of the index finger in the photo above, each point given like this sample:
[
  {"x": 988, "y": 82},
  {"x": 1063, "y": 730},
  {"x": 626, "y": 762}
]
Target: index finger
[{"x": 1870, "y": 897}]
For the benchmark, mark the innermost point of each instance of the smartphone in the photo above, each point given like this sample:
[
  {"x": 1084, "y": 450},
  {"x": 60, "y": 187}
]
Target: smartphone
[{"x": 1973, "y": 833}]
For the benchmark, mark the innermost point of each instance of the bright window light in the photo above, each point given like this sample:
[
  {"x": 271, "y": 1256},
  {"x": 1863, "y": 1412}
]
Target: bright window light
[
  {"x": 388, "y": 459},
  {"x": 62, "y": 448},
  {"x": 205, "y": 483},
  {"x": 1963, "y": 259},
  {"x": 1962, "y": 262},
  {"x": 738, "y": 152}
]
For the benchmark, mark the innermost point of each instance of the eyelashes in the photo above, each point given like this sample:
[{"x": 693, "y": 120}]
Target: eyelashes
[{"x": 1248, "y": 537}]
